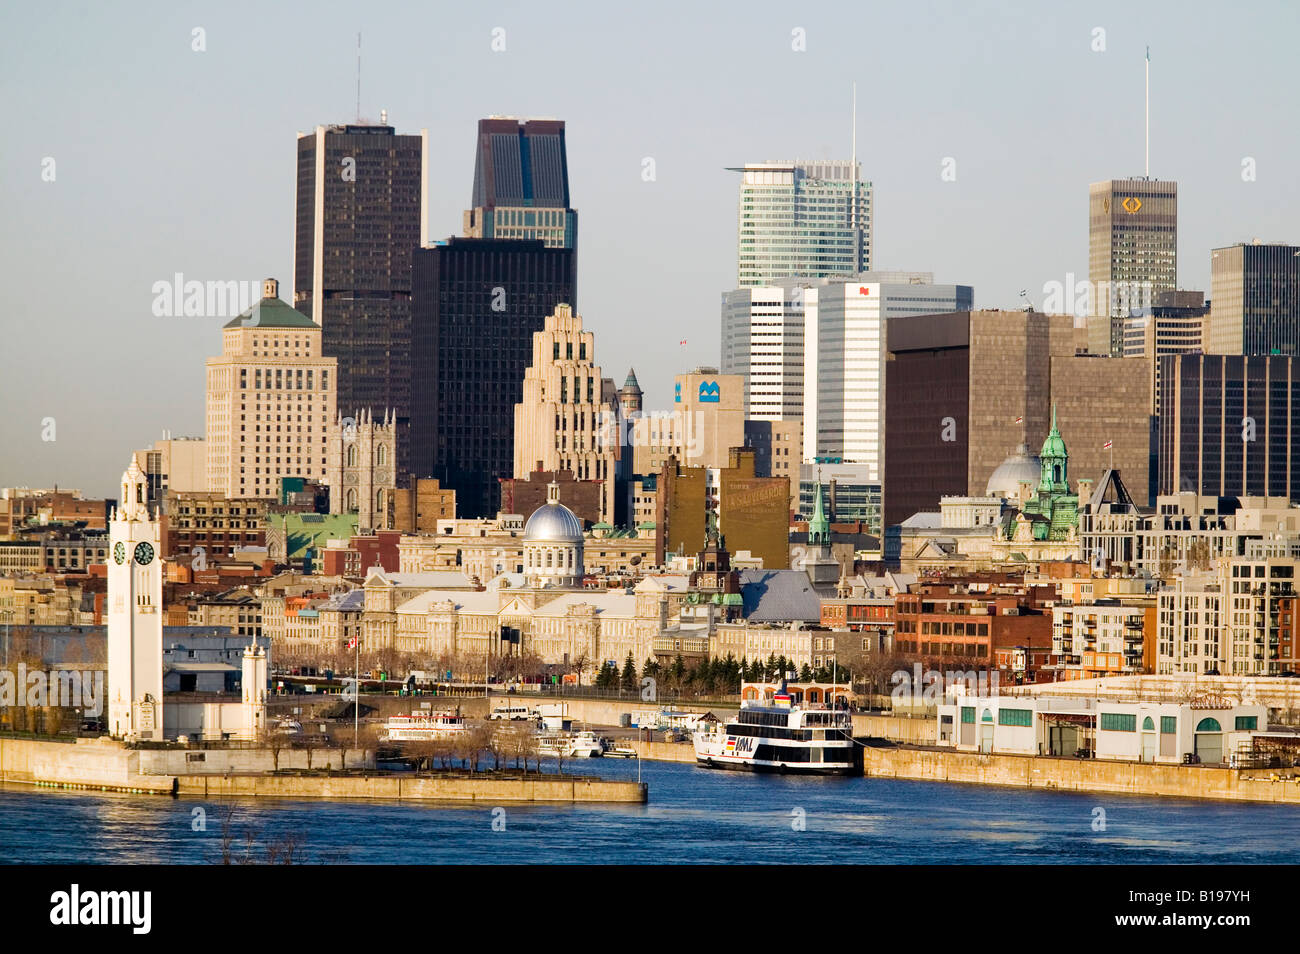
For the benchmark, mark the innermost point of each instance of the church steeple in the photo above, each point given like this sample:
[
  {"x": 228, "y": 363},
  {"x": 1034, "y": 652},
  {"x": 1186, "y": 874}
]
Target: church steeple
[
  {"x": 1055, "y": 461},
  {"x": 819, "y": 528}
]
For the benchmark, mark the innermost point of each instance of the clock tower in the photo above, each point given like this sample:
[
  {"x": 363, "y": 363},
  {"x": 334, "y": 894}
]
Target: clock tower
[{"x": 135, "y": 620}]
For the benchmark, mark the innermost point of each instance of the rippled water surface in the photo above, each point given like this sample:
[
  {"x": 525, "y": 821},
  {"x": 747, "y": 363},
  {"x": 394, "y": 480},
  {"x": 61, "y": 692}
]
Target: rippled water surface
[{"x": 694, "y": 815}]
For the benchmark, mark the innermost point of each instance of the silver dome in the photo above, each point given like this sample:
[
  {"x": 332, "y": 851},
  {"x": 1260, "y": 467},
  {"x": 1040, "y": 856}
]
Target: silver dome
[
  {"x": 553, "y": 523},
  {"x": 1005, "y": 481}
]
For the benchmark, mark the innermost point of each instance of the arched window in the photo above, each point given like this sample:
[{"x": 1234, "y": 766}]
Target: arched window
[
  {"x": 1148, "y": 725},
  {"x": 987, "y": 716},
  {"x": 352, "y": 455},
  {"x": 1056, "y": 473},
  {"x": 379, "y": 501},
  {"x": 381, "y": 455},
  {"x": 352, "y": 501},
  {"x": 1209, "y": 725}
]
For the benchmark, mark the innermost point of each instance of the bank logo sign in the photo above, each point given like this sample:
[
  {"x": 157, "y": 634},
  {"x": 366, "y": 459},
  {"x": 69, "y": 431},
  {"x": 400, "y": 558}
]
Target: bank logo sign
[
  {"x": 710, "y": 393},
  {"x": 1131, "y": 204}
]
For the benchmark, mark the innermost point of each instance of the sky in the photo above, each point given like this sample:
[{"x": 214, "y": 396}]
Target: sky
[{"x": 169, "y": 159}]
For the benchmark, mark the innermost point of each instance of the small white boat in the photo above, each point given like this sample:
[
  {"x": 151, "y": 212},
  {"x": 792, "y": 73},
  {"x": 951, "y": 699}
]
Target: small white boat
[{"x": 581, "y": 745}]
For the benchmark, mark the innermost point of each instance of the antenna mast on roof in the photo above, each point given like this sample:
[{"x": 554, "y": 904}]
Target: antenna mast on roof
[
  {"x": 1148, "y": 125},
  {"x": 358, "y": 77}
]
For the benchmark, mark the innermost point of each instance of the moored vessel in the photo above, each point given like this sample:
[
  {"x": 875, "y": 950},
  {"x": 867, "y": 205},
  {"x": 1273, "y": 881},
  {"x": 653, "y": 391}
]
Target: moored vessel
[{"x": 781, "y": 736}]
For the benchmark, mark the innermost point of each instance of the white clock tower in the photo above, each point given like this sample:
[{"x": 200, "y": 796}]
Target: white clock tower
[{"x": 135, "y": 617}]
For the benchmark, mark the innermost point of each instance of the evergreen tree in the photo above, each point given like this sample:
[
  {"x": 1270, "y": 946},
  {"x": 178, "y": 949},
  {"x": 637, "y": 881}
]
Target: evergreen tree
[
  {"x": 629, "y": 674},
  {"x": 806, "y": 673}
]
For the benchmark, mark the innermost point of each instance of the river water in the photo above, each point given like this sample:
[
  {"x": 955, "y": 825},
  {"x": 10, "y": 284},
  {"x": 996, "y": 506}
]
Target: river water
[{"x": 694, "y": 815}]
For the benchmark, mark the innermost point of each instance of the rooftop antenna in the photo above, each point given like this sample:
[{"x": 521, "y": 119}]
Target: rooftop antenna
[
  {"x": 853, "y": 197},
  {"x": 358, "y": 77},
  {"x": 1148, "y": 128}
]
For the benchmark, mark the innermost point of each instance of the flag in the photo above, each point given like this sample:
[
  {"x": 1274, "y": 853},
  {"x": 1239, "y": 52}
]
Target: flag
[
  {"x": 1108, "y": 445},
  {"x": 683, "y": 342},
  {"x": 1020, "y": 420},
  {"x": 352, "y": 643}
]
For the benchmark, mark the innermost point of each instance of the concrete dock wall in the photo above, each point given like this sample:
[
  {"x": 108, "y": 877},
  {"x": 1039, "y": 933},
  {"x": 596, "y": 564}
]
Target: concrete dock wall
[
  {"x": 416, "y": 788},
  {"x": 1081, "y": 775}
]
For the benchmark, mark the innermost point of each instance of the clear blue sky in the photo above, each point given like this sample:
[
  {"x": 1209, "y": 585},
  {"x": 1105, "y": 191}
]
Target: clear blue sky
[{"x": 170, "y": 160}]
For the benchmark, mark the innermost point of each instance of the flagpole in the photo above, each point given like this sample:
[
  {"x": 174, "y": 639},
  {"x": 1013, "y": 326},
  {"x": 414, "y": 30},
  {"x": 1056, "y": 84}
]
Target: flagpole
[{"x": 356, "y": 699}]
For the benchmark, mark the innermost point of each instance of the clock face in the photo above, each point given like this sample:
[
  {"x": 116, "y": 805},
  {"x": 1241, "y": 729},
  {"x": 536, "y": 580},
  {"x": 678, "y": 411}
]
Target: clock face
[
  {"x": 143, "y": 554},
  {"x": 119, "y": 552}
]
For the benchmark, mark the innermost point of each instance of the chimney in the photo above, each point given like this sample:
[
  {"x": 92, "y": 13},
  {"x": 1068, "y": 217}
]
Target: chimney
[{"x": 270, "y": 288}]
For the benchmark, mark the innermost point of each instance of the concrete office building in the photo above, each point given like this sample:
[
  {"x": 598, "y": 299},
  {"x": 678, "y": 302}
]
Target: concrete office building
[
  {"x": 562, "y": 421},
  {"x": 802, "y": 220},
  {"x": 844, "y": 407},
  {"x": 361, "y": 211},
  {"x": 706, "y": 421},
  {"x": 174, "y": 463},
  {"x": 762, "y": 340},
  {"x": 1174, "y": 324},
  {"x": 270, "y": 399},
  {"x": 751, "y": 511},
  {"x": 1230, "y": 425},
  {"x": 1254, "y": 299},
  {"x": 966, "y": 390},
  {"x": 1132, "y": 253}
]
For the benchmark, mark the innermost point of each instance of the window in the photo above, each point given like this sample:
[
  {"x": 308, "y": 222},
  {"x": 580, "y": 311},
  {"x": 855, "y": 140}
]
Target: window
[
  {"x": 1247, "y": 723},
  {"x": 1019, "y": 717},
  {"x": 1118, "y": 722},
  {"x": 968, "y": 715},
  {"x": 1209, "y": 725}
]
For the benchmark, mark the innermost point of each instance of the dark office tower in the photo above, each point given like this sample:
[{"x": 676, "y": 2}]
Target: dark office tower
[
  {"x": 1254, "y": 300},
  {"x": 521, "y": 183},
  {"x": 1228, "y": 425},
  {"x": 476, "y": 304},
  {"x": 360, "y": 214}
]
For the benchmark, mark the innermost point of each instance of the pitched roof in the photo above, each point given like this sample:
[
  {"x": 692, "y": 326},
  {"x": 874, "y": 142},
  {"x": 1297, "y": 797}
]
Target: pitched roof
[
  {"x": 780, "y": 596},
  {"x": 271, "y": 313}
]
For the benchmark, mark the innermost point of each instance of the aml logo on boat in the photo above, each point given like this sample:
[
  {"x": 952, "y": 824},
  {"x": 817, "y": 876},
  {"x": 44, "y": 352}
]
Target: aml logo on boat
[
  {"x": 70, "y": 688},
  {"x": 931, "y": 685},
  {"x": 76, "y": 907},
  {"x": 196, "y": 299}
]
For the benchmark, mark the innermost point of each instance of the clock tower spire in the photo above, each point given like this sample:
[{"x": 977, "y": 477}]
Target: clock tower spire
[{"x": 135, "y": 614}]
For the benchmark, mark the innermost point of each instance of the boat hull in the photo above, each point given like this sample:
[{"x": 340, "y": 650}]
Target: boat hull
[{"x": 774, "y": 768}]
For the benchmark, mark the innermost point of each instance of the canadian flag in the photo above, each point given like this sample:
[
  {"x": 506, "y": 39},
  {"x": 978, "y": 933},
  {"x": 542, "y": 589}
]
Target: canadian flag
[
  {"x": 352, "y": 643},
  {"x": 864, "y": 290},
  {"x": 1108, "y": 445}
]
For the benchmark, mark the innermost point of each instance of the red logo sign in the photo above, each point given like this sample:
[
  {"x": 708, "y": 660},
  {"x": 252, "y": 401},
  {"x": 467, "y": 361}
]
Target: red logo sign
[{"x": 864, "y": 290}]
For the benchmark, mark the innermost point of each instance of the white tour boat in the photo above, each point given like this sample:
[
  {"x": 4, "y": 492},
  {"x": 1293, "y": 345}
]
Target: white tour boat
[
  {"x": 580, "y": 745},
  {"x": 424, "y": 726},
  {"x": 779, "y": 736}
]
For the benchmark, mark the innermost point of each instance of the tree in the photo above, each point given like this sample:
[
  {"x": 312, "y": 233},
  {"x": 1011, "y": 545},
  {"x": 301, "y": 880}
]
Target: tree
[
  {"x": 629, "y": 682},
  {"x": 806, "y": 673}
]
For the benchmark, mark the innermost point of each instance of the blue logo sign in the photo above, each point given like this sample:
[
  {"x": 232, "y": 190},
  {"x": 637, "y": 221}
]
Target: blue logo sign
[
  {"x": 678, "y": 395},
  {"x": 710, "y": 393}
]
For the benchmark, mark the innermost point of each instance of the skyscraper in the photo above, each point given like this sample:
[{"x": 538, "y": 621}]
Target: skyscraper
[
  {"x": 562, "y": 421},
  {"x": 1254, "y": 300},
  {"x": 844, "y": 358},
  {"x": 762, "y": 339},
  {"x": 802, "y": 220},
  {"x": 1230, "y": 424},
  {"x": 521, "y": 183},
  {"x": 360, "y": 214},
  {"x": 1132, "y": 253},
  {"x": 270, "y": 400},
  {"x": 475, "y": 306}
]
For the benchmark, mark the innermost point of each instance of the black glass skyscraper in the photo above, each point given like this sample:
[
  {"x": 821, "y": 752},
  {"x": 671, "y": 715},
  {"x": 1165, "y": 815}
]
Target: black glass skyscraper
[
  {"x": 359, "y": 217},
  {"x": 476, "y": 304},
  {"x": 521, "y": 183}
]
